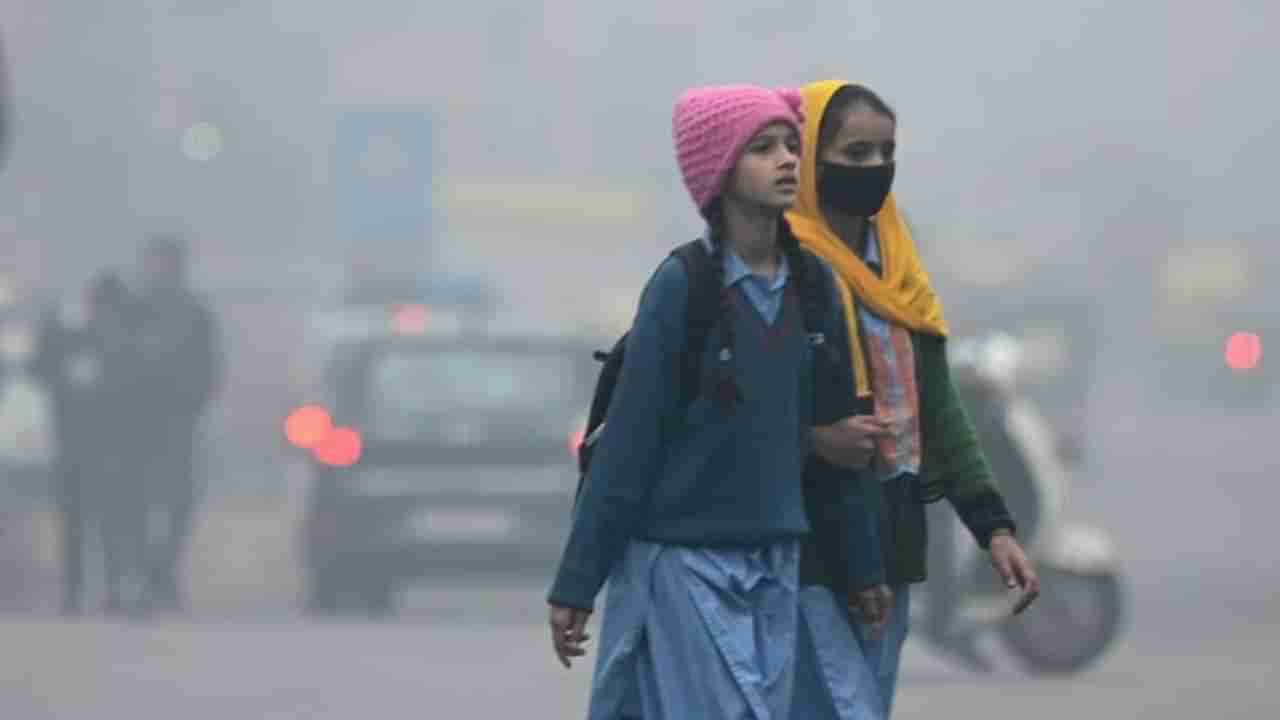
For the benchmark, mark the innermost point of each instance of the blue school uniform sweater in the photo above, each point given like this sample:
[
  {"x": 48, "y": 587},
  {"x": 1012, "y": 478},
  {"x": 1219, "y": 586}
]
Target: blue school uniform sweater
[{"x": 703, "y": 476}]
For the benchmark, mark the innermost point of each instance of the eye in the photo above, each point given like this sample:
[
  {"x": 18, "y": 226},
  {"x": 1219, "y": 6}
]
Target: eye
[
  {"x": 890, "y": 150},
  {"x": 858, "y": 150},
  {"x": 793, "y": 144}
]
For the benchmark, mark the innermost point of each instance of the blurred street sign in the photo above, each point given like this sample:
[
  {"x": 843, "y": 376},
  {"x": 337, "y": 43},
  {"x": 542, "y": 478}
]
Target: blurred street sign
[{"x": 383, "y": 181}]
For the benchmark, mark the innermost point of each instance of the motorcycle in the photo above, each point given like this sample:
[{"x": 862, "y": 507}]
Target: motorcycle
[{"x": 1081, "y": 607}]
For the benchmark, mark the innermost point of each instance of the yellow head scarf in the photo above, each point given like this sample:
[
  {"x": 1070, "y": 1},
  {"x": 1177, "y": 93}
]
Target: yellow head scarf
[{"x": 902, "y": 294}]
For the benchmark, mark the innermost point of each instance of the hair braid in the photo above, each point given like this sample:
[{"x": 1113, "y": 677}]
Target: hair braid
[
  {"x": 725, "y": 390},
  {"x": 809, "y": 288}
]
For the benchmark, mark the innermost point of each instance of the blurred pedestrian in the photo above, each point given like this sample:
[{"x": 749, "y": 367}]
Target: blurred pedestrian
[
  {"x": 847, "y": 215},
  {"x": 85, "y": 357},
  {"x": 692, "y": 509},
  {"x": 180, "y": 367}
]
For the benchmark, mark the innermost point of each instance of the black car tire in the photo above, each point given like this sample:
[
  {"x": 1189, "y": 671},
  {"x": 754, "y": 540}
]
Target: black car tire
[{"x": 378, "y": 597}]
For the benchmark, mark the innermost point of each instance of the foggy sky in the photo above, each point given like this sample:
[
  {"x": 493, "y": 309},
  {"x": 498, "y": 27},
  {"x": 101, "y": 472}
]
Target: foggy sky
[{"x": 1071, "y": 129}]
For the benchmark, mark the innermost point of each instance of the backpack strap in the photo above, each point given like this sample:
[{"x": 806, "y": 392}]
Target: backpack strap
[
  {"x": 704, "y": 310},
  {"x": 701, "y": 313},
  {"x": 609, "y": 372}
]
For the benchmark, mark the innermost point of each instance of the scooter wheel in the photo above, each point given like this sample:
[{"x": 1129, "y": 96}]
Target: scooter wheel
[{"x": 1075, "y": 620}]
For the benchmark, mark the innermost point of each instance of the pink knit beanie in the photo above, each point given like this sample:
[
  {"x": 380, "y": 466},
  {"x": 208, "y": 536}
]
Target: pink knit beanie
[{"x": 712, "y": 125}]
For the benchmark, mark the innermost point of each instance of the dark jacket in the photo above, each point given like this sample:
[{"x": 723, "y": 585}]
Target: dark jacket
[
  {"x": 953, "y": 464},
  {"x": 179, "y": 357}
]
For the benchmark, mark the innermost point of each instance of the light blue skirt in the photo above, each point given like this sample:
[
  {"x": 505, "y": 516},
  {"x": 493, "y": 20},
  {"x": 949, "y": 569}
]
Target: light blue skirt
[
  {"x": 834, "y": 679},
  {"x": 699, "y": 633}
]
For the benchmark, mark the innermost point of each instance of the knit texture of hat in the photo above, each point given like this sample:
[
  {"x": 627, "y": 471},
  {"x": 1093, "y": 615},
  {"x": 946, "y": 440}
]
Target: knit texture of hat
[{"x": 712, "y": 125}]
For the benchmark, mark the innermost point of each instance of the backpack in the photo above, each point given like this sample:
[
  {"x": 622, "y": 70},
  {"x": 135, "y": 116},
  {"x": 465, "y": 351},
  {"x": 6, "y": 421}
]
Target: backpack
[{"x": 701, "y": 313}]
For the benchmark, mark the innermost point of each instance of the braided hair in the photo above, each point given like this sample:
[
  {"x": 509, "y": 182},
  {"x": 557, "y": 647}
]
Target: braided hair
[
  {"x": 725, "y": 391},
  {"x": 811, "y": 290}
]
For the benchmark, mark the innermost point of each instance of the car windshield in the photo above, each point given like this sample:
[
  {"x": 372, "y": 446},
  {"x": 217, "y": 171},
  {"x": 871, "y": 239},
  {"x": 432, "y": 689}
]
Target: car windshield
[{"x": 476, "y": 397}]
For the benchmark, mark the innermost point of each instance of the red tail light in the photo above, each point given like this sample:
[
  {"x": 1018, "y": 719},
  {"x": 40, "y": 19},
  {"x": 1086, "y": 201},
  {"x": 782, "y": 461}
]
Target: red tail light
[
  {"x": 340, "y": 448},
  {"x": 1244, "y": 351},
  {"x": 308, "y": 426},
  {"x": 411, "y": 319}
]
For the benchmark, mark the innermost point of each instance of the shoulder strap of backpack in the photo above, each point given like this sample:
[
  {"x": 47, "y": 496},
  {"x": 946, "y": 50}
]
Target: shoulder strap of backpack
[
  {"x": 700, "y": 314},
  {"x": 611, "y": 366}
]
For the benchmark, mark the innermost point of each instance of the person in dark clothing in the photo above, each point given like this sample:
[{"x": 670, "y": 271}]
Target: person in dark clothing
[
  {"x": 180, "y": 367},
  {"x": 86, "y": 365}
]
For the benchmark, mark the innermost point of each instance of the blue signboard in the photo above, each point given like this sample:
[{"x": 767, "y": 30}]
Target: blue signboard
[{"x": 383, "y": 179}]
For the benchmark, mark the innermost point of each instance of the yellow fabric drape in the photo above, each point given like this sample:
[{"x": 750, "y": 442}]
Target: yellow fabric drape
[{"x": 903, "y": 294}]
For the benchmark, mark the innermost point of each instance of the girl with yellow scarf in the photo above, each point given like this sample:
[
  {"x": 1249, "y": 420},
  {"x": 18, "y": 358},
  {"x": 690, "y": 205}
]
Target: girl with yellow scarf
[{"x": 846, "y": 214}]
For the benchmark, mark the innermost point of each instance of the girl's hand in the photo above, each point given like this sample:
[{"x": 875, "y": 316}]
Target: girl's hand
[
  {"x": 569, "y": 633},
  {"x": 851, "y": 442},
  {"x": 873, "y": 607},
  {"x": 1015, "y": 568}
]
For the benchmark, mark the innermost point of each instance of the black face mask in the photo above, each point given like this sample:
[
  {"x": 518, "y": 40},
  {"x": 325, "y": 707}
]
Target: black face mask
[{"x": 856, "y": 191}]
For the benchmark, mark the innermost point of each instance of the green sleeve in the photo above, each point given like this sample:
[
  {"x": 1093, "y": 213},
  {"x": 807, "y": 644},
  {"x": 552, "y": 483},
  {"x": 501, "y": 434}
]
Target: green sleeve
[{"x": 953, "y": 460}]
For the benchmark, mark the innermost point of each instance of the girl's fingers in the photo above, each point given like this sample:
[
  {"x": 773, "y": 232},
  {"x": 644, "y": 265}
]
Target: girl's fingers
[
  {"x": 1027, "y": 575},
  {"x": 1005, "y": 568},
  {"x": 565, "y": 627},
  {"x": 560, "y": 650},
  {"x": 579, "y": 631}
]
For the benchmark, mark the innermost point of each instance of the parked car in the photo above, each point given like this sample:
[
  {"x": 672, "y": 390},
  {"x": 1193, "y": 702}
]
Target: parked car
[{"x": 439, "y": 451}]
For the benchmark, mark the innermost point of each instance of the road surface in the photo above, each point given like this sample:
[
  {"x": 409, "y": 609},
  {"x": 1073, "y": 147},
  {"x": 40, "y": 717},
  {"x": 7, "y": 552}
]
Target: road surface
[{"x": 1192, "y": 503}]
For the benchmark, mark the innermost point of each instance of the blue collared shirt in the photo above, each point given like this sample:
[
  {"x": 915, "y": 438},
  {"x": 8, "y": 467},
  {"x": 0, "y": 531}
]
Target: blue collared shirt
[{"x": 765, "y": 294}]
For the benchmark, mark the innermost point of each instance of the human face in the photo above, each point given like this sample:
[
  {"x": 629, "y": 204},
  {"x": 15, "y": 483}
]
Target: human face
[
  {"x": 767, "y": 175},
  {"x": 865, "y": 138}
]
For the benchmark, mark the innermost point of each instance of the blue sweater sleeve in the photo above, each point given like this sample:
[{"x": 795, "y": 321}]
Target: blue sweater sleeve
[
  {"x": 626, "y": 463},
  {"x": 862, "y": 522}
]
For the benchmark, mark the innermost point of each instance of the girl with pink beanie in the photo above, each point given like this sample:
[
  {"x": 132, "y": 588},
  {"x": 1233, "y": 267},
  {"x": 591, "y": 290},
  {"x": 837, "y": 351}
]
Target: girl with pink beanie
[{"x": 692, "y": 509}]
